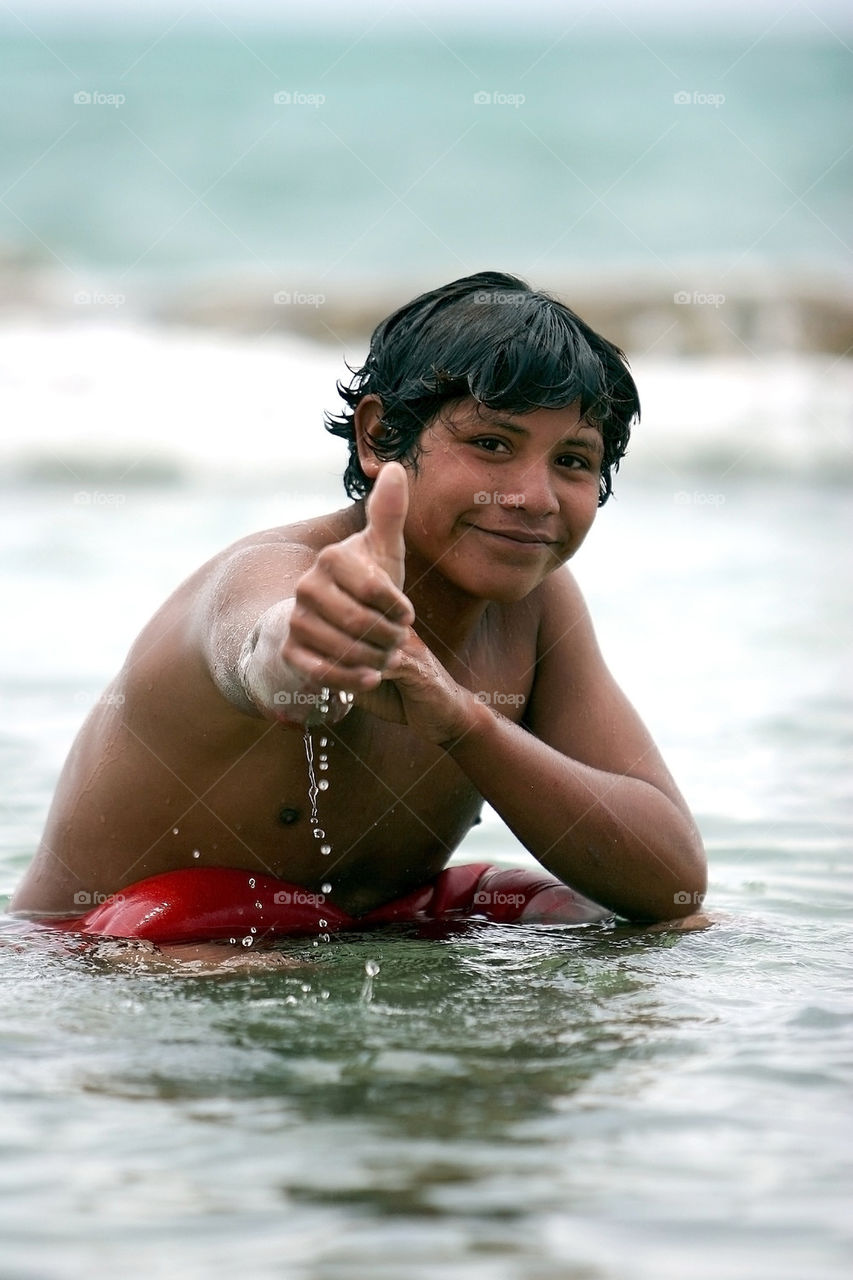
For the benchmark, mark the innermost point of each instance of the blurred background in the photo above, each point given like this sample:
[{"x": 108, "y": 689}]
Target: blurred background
[
  {"x": 223, "y": 194},
  {"x": 204, "y": 208}
]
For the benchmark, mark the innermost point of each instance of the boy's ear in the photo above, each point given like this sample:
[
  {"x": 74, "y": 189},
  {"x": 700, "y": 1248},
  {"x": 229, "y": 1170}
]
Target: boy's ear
[{"x": 368, "y": 427}]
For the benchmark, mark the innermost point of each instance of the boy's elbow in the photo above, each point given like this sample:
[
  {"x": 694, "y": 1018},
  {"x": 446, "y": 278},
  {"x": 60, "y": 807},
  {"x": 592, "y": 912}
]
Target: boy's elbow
[{"x": 691, "y": 886}]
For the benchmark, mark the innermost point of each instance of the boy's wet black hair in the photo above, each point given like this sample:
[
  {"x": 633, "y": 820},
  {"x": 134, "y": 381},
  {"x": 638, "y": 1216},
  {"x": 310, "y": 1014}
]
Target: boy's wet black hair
[{"x": 492, "y": 337}]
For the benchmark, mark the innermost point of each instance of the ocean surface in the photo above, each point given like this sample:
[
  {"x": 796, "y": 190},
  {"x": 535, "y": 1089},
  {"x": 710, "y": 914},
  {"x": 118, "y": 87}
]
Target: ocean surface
[
  {"x": 501, "y": 1103},
  {"x": 144, "y": 157},
  {"x": 524, "y": 1103}
]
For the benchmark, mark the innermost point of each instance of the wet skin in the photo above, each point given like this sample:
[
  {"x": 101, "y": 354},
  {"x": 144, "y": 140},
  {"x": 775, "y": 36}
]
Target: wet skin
[{"x": 465, "y": 597}]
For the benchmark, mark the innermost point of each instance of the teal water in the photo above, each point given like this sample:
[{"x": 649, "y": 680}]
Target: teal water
[
  {"x": 510, "y": 1103},
  {"x": 384, "y": 165}
]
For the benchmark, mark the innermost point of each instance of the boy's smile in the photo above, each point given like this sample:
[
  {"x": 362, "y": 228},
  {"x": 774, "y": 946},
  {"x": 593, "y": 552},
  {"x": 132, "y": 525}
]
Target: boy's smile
[{"x": 498, "y": 500}]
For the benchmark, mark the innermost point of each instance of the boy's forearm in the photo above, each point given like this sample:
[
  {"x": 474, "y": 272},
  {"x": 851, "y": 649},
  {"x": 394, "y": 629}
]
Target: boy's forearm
[
  {"x": 273, "y": 687},
  {"x": 614, "y": 838}
]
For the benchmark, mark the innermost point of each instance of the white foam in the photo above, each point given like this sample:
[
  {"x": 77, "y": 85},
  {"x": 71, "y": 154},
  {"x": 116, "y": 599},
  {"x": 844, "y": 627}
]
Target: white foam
[
  {"x": 143, "y": 396},
  {"x": 206, "y": 405}
]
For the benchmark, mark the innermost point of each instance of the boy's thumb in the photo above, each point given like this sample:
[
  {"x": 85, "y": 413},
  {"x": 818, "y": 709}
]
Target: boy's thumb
[{"x": 386, "y": 516}]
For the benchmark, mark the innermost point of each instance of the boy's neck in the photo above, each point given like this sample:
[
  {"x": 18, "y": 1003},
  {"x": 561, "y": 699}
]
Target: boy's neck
[{"x": 445, "y": 617}]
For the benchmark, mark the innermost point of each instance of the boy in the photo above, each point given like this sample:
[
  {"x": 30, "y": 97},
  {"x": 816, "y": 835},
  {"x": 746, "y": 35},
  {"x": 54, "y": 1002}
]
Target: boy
[{"x": 437, "y": 648}]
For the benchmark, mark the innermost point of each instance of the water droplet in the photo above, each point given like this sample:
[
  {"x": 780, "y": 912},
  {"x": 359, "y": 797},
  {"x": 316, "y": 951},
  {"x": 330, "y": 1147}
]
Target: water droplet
[
  {"x": 324, "y": 995},
  {"x": 251, "y": 883},
  {"x": 232, "y": 941},
  {"x": 260, "y": 906},
  {"x": 248, "y": 940},
  {"x": 306, "y": 986},
  {"x": 371, "y": 968},
  {"x": 325, "y": 887},
  {"x": 290, "y": 999},
  {"x": 253, "y": 929},
  {"x": 324, "y": 937},
  {"x": 316, "y": 943},
  {"x": 324, "y": 742},
  {"x": 319, "y": 833},
  {"x": 312, "y": 783},
  {"x": 323, "y": 784},
  {"x": 323, "y": 757},
  {"x": 324, "y": 764},
  {"x": 174, "y": 831},
  {"x": 322, "y": 923},
  {"x": 196, "y": 853},
  {"x": 325, "y": 849}
]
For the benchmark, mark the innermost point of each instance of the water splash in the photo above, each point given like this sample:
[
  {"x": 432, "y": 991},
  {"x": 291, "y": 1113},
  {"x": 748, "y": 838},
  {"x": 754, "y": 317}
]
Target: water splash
[
  {"x": 314, "y": 788},
  {"x": 371, "y": 969},
  {"x": 312, "y": 777}
]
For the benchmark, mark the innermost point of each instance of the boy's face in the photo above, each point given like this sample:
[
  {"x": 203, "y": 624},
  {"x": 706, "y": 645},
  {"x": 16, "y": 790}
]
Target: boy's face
[{"x": 500, "y": 500}]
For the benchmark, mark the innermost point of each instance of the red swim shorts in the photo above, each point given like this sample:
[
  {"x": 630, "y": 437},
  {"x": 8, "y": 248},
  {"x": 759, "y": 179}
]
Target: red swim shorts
[{"x": 208, "y": 903}]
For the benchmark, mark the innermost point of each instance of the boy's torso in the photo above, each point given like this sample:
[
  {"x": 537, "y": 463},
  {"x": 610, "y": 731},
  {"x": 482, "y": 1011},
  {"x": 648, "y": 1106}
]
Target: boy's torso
[{"x": 174, "y": 776}]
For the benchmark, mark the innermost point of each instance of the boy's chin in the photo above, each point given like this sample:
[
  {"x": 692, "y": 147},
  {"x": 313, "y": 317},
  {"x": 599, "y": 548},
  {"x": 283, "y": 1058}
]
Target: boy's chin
[{"x": 502, "y": 587}]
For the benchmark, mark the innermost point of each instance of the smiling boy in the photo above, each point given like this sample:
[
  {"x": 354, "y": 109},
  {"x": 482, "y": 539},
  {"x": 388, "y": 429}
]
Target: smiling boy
[{"x": 439, "y": 648}]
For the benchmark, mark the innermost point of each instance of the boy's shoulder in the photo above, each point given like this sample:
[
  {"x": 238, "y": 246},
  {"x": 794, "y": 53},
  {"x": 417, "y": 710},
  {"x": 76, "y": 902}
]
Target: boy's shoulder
[{"x": 310, "y": 535}]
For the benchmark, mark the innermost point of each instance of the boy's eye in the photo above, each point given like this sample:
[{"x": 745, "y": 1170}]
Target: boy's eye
[
  {"x": 573, "y": 461},
  {"x": 490, "y": 443}
]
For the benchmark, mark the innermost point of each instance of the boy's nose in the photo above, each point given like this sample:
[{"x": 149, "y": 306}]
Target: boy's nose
[{"x": 534, "y": 493}]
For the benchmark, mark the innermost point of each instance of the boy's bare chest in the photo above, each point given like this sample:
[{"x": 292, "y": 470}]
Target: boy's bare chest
[{"x": 366, "y": 800}]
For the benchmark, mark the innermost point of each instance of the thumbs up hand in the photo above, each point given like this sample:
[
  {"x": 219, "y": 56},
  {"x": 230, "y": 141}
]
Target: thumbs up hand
[
  {"x": 349, "y": 615},
  {"x": 386, "y": 517}
]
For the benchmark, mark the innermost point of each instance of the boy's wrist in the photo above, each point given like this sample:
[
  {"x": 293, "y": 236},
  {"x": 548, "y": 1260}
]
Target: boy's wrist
[
  {"x": 277, "y": 690},
  {"x": 476, "y": 719}
]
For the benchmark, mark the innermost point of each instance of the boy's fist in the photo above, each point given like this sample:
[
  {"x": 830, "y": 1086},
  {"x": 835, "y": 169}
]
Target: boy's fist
[{"x": 350, "y": 615}]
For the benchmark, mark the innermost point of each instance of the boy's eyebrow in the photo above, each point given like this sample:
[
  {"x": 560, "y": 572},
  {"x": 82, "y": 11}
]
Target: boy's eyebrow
[{"x": 594, "y": 442}]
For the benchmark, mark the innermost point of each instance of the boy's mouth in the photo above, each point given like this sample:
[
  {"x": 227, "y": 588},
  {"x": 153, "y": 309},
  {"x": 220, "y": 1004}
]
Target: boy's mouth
[{"x": 520, "y": 537}]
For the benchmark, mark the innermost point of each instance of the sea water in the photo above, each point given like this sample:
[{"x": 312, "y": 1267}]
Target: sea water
[{"x": 505, "y": 1101}]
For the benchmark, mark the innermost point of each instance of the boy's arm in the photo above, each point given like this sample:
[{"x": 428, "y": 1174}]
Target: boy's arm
[
  {"x": 280, "y": 619},
  {"x": 242, "y": 614},
  {"x": 582, "y": 785},
  {"x": 585, "y": 788}
]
